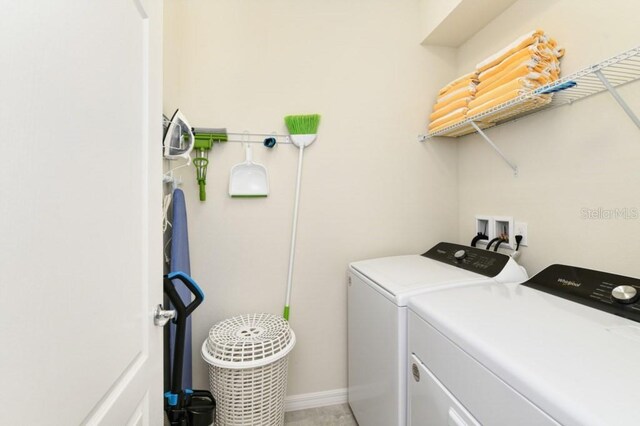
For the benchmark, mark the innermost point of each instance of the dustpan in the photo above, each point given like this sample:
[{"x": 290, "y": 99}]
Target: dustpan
[{"x": 248, "y": 179}]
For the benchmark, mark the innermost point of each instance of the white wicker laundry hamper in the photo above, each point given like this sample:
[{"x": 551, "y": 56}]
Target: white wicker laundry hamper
[{"x": 247, "y": 357}]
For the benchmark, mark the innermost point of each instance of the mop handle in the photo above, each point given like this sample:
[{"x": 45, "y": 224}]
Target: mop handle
[{"x": 293, "y": 234}]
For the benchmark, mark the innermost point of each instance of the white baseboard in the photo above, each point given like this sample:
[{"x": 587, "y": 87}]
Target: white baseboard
[{"x": 315, "y": 399}]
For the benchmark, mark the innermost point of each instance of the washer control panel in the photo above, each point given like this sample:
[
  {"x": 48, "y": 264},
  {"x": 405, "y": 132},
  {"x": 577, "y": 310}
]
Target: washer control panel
[
  {"x": 483, "y": 262},
  {"x": 611, "y": 293}
]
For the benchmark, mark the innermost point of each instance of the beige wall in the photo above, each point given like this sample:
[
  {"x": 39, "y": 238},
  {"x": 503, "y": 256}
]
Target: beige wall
[
  {"x": 586, "y": 155},
  {"x": 369, "y": 189},
  {"x": 432, "y": 12}
]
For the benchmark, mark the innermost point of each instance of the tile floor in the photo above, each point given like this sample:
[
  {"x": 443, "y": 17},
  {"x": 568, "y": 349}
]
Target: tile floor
[{"x": 333, "y": 415}]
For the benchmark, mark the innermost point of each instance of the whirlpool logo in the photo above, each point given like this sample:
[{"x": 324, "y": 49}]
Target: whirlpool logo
[{"x": 570, "y": 283}]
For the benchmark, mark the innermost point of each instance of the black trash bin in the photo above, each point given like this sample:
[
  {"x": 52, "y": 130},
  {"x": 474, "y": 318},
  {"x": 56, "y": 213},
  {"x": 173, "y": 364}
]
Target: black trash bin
[{"x": 201, "y": 408}]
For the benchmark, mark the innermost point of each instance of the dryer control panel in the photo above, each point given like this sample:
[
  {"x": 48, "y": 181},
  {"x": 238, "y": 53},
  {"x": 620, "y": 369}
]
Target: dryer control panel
[
  {"x": 483, "y": 262},
  {"x": 616, "y": 294}
]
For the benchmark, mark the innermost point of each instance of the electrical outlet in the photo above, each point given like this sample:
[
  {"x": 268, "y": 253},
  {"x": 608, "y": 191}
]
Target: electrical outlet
[{"x": 521, "y": 229}]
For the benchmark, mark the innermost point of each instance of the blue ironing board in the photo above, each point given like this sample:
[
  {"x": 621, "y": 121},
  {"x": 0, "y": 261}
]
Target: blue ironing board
[{"x": 180, "y": 262}]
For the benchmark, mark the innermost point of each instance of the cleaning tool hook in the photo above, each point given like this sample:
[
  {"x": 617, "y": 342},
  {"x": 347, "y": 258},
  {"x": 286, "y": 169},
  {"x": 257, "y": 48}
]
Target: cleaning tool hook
[
  {"x": 169, "y": 177},
  {"x": 271, "y": 141}
]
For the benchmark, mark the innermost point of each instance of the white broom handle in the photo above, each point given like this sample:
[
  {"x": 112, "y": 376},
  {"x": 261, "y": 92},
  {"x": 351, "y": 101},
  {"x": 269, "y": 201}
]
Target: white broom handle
[{"x": 295, "y": 225}]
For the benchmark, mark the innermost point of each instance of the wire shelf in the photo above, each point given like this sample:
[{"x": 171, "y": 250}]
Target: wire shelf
[{"x": 606, "y": 75}]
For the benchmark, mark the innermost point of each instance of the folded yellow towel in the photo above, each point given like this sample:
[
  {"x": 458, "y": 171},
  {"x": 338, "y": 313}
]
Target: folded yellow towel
[
  {"x": 543, "y": 66},
  {"x": 523, "y": 41},
  {"x": 521, "y": 83},
  {"x": 462, "y": 94},
  {"x": 534, "y": 65},
  {"x": 462, "y": 85},
  {"x": 469, "y": 90},
  {"x": 495, "y": 73},
  {"x": 538, "y": 52},
  {"x": 446, "y": 124},
  {"x": 541, "y": 78},
  {"x": 460, "y": 103},
  {"x": 498, "y": 101},
  {"x": 522, "y": 70},
  {"x": 526, "y": 54},
  {"x": 504, "y": 97},
  {"x": 452, "y": 116},
  {"x": 458, "y": 82},
  {"x": 491, "y": 82}
]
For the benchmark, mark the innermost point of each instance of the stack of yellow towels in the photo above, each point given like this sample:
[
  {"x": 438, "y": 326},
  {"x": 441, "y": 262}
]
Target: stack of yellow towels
[
  {"x": 453, "y": 101},
  {"x": 529, "y": 62}
]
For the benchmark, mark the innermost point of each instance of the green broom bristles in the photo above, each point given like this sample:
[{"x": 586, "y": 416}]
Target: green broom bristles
[{"x": 302, "y": 124}]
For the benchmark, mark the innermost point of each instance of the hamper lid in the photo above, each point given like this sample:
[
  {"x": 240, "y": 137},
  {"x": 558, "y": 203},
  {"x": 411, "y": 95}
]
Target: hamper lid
[{"x": 248, "y": 341}]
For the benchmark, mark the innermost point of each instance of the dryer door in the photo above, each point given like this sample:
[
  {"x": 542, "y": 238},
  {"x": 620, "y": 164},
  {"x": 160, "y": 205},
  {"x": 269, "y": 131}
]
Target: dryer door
[{"x": 430, "y": 403}]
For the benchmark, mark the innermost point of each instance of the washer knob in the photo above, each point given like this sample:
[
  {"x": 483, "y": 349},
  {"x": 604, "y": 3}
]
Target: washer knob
[
  {"x": 459, "y": 255},
  {"x": 625, "y": 294}
]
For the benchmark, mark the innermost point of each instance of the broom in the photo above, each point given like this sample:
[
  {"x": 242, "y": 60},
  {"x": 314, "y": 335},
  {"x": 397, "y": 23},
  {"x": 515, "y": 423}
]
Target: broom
[{"x": 303, "y": 131}]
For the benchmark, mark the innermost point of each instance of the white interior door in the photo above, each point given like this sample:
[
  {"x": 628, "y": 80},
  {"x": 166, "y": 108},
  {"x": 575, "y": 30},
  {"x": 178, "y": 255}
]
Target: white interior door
[{"x": 80, "y": 191}]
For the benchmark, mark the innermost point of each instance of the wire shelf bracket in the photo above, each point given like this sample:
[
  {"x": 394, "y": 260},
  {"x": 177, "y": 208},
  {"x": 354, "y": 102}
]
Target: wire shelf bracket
[
  {"x": 617, "y": 97},
  {"x": 495, "y": 148}
]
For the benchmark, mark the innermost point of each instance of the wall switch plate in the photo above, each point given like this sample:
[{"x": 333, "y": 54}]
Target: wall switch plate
[{"x": 521, "y": 229}]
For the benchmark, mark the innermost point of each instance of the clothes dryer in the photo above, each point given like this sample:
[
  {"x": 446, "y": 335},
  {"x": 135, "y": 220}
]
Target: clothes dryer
[{"x": 559, "y": 349}]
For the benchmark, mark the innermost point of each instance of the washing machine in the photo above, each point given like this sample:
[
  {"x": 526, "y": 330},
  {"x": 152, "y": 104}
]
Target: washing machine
[
  {"x": 562, "y": 348},
  {"x": 378, "y": 291}
]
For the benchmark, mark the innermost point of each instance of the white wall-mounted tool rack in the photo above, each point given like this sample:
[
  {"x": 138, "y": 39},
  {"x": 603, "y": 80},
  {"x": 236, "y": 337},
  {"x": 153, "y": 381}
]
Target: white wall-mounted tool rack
[{"x": 244, "y": 137}]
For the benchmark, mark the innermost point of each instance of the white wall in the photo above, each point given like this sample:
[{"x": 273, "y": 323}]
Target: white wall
[
  {"x": 582, "y": 156},
  {"x": 369, "y": 189}
]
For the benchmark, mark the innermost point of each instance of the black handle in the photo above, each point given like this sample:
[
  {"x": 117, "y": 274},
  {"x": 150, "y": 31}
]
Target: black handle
[
  {"x": 181, "y": 323},
  {"x": 175, "y": 298}
]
